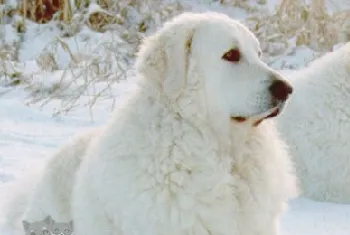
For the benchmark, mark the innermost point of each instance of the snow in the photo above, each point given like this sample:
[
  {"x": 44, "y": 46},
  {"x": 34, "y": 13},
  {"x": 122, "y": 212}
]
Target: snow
[
  {"x": 29, "y": 134},
  {"x": 307, "y": 217}
]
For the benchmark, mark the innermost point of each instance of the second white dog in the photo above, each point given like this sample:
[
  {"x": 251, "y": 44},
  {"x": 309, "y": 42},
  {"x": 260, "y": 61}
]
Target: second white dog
[{"x": 316, "y": 125}]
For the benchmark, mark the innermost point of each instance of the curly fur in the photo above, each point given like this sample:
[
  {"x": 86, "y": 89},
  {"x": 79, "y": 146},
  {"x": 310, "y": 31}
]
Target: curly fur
[{"x": 164, "y": 165}]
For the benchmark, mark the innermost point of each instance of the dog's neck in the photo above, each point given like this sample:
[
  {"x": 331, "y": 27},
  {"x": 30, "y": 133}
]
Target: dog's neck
[{"x": 191, "y": 108}]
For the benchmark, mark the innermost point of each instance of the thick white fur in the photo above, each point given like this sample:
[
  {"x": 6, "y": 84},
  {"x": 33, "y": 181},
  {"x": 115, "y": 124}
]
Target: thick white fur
[
  {"x": 52, "y": 194},
  {"x": 171, "y": 161},
  {"x": 316, "y": 124}
]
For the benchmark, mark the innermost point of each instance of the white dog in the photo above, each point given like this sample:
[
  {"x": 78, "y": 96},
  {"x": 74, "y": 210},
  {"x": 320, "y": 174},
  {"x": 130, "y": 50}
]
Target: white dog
[
  {"x": 317, "y": 126},
  {"x": 190, "y": 153}
]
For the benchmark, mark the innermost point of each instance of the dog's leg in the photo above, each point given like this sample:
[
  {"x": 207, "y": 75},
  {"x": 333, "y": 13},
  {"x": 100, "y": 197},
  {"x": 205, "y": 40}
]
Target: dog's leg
[{"x": 88, "y": 219}]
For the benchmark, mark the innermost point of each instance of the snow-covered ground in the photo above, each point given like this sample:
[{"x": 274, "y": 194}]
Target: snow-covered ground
[{"x": 30, "y": 134}]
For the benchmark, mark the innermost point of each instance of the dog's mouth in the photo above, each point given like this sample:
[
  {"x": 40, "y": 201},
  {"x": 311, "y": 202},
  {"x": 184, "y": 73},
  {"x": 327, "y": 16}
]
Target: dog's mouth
[{"x": 258, "y": 118}]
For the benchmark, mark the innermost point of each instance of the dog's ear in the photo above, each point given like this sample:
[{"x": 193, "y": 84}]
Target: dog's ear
[
  {"x": 26, "y": 224},
  {"x": 48, "y": 220},
  {"x": 71, "y": 224},
  {"x": 163, "y": 58},
  {"x": 177, "y": 56}
]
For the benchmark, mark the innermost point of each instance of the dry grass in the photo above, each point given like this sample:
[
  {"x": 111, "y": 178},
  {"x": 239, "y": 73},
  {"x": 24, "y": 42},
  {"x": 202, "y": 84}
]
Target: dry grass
[
  {"x": 295, "y": 24},
  {"x": 91, "y": 74}
]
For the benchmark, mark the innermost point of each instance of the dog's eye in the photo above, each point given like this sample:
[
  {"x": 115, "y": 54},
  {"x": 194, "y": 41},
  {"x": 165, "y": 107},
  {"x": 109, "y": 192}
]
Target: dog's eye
[
  {"x": 259, "y": 54},
  {"x": 232, "y": 55}
]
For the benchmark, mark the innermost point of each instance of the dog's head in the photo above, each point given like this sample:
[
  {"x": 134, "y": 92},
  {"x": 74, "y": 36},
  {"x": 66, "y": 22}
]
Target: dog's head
[{"x": 224, "y": 56}]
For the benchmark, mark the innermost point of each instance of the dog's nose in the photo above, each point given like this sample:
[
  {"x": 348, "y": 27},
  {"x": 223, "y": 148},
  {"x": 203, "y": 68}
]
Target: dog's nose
[{"x": 280, "y": 90}]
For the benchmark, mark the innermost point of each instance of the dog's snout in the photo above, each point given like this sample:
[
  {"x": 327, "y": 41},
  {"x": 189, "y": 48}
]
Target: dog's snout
[{"x": 280, "y": 90}]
